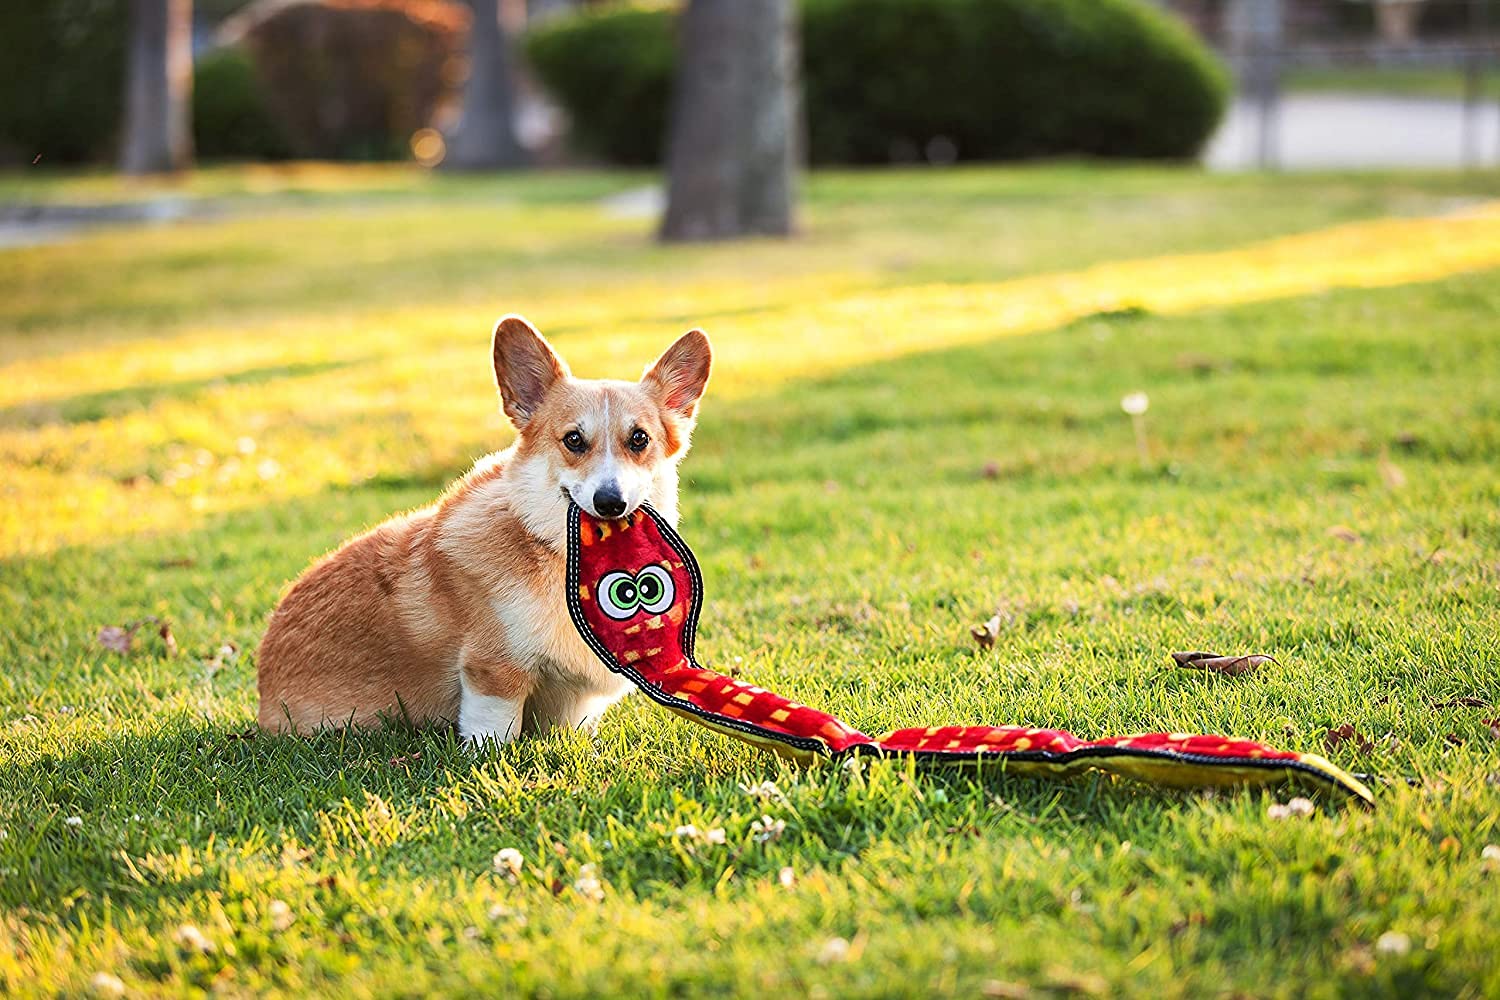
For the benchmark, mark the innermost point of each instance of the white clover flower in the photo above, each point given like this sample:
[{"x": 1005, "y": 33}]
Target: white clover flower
[
  {"x": 1136, "y": 403},
  {"x": 766, "y": 791},
  {"x": 1490, "y": 853},
  {"x": 715, "y": 836},
  {"x": 1277, "y": 810},
  {"x": 688, "y": 831},
  {"x": 588, "y": 886},
  {"x": 787, "y": 877},
  {"x": 74, "y": 821},
  {"x": 833, "y": 950},
  {"x": 508, "y": 862},
  {"x": 190, "y": 938},
  {"x": 767, "y": 829},
  {"x": 1393, "y": 943},
  {"x": 105, "y": 985},
  {"x": 281, "y": 914},
  {"x": 1300, "y": 806}
]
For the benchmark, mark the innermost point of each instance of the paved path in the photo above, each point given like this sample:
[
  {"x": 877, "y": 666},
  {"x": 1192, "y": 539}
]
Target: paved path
[{"x": 1320, "y": 131}]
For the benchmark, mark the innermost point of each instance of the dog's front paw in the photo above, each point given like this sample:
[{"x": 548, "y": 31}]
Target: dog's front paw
[
  {"x": 478, "y": 741},
  {"x": 485, "y": 719}
]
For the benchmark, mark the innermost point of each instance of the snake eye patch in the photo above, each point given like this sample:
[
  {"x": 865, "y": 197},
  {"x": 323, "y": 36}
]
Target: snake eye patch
[{"x": 622, "y": 595}]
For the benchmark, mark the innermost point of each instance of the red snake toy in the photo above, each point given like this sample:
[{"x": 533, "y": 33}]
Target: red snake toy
[{"x": 635, "y": 591}]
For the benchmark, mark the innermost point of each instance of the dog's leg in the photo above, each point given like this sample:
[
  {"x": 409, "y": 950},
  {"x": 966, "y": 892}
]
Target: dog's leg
[
  {"x": 565, "y": 706},
  {"x": 492, "y": 698}
]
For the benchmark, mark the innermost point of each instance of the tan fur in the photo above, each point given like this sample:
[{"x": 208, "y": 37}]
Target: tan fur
[{"x": 456, "y": 612}]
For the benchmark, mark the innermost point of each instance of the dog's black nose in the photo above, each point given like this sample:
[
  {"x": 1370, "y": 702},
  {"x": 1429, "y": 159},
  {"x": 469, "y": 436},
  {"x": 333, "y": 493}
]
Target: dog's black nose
[{"x": 608, "y": 502}]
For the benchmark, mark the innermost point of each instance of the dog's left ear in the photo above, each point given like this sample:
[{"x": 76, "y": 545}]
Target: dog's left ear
[{"x": 679, "y": 376}]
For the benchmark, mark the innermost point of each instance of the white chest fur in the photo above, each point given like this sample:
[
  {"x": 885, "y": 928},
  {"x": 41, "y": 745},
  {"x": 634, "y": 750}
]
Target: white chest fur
[{"x": 540, "y": 637}]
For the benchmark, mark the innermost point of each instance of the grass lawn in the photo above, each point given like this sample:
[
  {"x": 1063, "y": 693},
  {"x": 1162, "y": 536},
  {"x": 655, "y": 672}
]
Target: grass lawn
[
  {"x": 1409, "y": 81},
  {"x": 914, "y": 420}
]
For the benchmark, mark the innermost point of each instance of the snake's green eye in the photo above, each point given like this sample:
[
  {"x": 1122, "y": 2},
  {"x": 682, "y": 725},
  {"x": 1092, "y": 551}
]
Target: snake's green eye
[
  {"x": 618, "y": 595},
  {"x": 653, "y": 586},
  {"x": 622, "y": 595}
]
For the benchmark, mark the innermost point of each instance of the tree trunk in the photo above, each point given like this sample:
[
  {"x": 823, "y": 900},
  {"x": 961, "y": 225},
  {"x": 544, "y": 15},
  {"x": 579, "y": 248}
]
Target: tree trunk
[
  {"x": 485, "y": 137},
  {"x": 770, "y": 123},
  {"x": 730, "y": 161},
  {"x": 159, "y": 88}
]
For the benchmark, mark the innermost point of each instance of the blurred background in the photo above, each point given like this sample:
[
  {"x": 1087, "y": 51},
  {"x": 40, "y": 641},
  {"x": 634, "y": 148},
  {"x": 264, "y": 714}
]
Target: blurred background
[{"x": 157, "y": 86}]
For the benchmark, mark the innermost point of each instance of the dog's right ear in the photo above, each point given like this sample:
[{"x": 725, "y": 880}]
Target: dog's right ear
[{"x": 526, "y": 367}]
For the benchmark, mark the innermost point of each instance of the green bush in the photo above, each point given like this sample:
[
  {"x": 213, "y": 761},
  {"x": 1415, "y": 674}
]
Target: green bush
[
  {"x": 230, "y": 117},
  {"x": 611, "y": 68},
  {"x": 899, "y": 79},
  {"x": 62, "y": 78}
]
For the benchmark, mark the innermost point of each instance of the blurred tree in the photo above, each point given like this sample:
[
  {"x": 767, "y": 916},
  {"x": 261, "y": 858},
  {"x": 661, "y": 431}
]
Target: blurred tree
[
  {"x": 159, "y": 87},
  {"x": 731, "y": 152},
  {"x": 485, "y": 136}
]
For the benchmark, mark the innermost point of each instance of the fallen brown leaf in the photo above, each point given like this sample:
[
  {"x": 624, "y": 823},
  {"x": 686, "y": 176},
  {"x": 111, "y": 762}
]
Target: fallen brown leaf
[
  {"x": 164, "y": 629},
  {"x": 1346, "y": 733},
  {"x": 1462, "y": 703},
  {"x": 991, "y": 470},
  {"x": 1230, "y": 666},
  {"x": 1493, "y": 725},
  {"x": 116, "y": 639},
  {"x": 986, "y": 634},
  {"x": 121, "y": 638},
  {"x": 1344, "y": 533}
]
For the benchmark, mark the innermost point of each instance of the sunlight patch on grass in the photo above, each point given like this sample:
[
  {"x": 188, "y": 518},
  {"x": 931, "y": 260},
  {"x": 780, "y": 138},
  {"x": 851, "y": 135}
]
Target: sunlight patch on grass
[{"x": 171, "y": 456}]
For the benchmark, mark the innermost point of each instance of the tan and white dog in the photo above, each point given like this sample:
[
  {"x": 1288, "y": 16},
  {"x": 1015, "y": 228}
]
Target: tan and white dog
[{"x": 456, "y": 611}]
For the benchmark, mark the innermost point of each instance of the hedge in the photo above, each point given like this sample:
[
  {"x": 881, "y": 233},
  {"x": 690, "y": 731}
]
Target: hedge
[
  {"x": 230, "y": 116},
  {"x": 896, "y": 79},
  {"x": 611, "y": 68}
]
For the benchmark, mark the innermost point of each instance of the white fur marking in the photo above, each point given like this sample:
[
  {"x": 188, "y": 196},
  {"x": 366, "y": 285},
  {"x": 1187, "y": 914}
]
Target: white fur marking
[{"x": 484, "y": 717}]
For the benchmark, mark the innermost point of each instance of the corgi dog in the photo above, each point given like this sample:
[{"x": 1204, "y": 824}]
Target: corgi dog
[{"x": 456, "y": 612}]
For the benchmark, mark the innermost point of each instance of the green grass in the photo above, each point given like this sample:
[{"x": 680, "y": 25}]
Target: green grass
[
  {"x": 1444, "y": 83},
  {"x": 189, "y": 414}
]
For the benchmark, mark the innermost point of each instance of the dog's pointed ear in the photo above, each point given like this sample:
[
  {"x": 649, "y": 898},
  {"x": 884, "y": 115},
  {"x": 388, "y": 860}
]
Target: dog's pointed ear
[
  {"x": 679, "y": 376},
  {"x": 526, "y": 367}
]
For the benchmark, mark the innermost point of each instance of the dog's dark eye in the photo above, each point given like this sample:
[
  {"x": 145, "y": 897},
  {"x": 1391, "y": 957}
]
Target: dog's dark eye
[
  {"x": 574, "y": 442},
  {"x": 639, "y": 439}
]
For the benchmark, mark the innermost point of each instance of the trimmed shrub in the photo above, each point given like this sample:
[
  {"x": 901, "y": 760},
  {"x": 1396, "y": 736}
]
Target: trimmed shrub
[
  {"x": 230, "y": 117},
  {"x": 611, "y": 68},
  {"x": 61, "y": 79},
  {"x": 899, "y": 79},
  {"x": 353, "y": 79}
]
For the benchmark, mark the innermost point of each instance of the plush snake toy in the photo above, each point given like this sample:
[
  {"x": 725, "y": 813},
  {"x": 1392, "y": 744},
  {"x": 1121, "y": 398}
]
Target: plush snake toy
[{"x": 635, "y": 591}]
